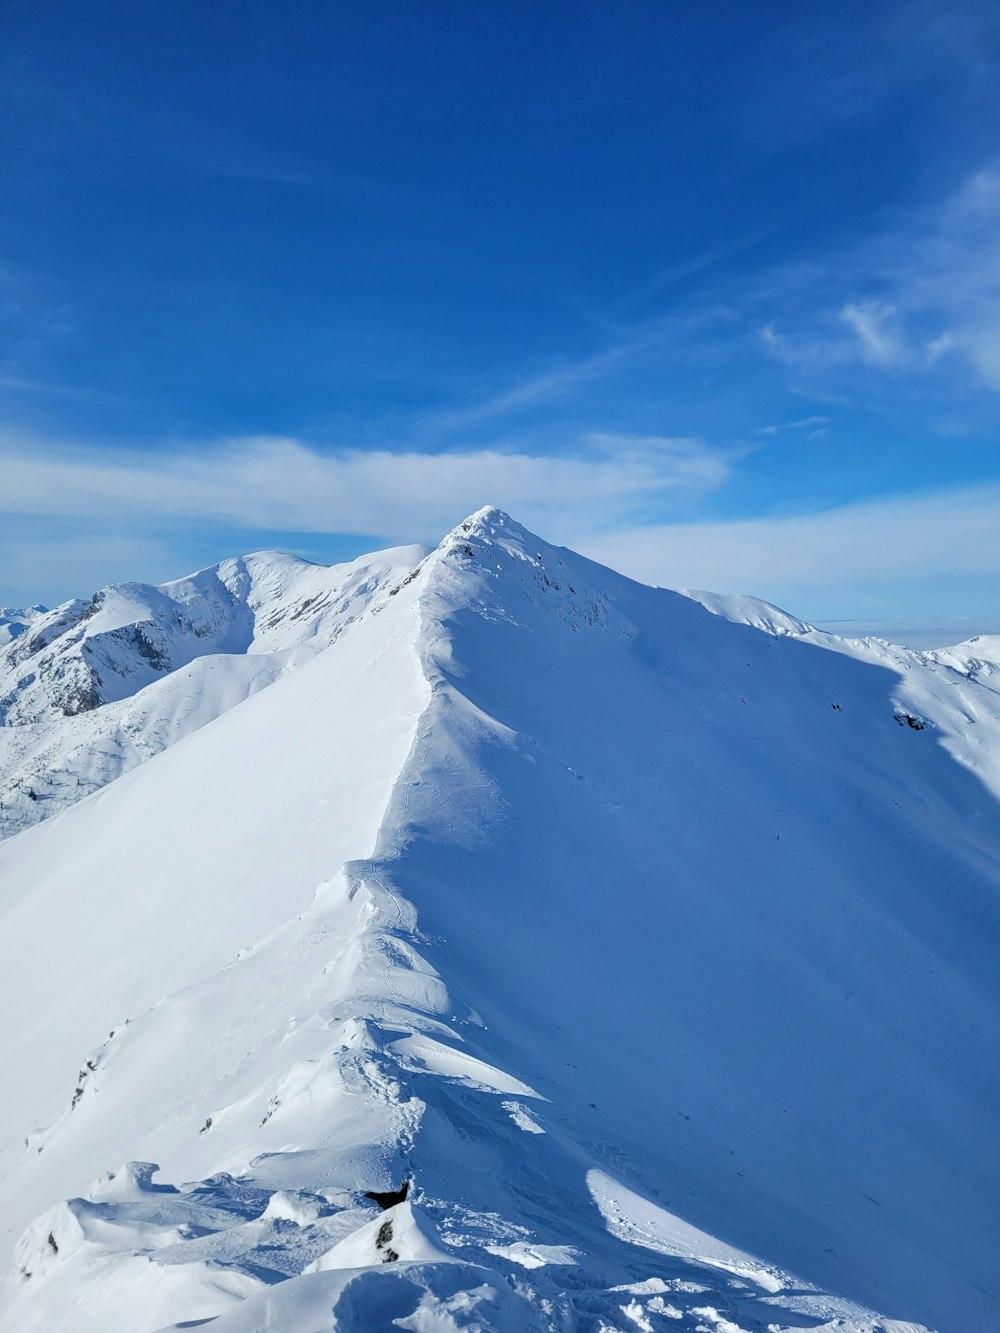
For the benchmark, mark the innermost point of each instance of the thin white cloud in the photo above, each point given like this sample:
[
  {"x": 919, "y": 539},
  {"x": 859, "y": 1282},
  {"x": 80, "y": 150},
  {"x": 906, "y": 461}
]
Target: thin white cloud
[
  {"x": 283, "y": 485},
  {"x": 879, "y": 344},
  {"x": 910, "y": 300},
  {"x": 551, "y": 384},
  {"x": 813, "y": 425},
  {"x": 906, "y": 539}
]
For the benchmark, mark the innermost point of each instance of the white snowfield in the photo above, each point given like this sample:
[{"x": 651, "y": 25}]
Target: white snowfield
[{"x": 656, "y": 951}]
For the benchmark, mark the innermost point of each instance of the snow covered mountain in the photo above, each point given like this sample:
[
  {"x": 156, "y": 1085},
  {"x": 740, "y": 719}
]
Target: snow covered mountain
[
  {"x": 91, "y": 689},
  {"x": 978, "y": 658},
  {"x": 654, "y": 951}
]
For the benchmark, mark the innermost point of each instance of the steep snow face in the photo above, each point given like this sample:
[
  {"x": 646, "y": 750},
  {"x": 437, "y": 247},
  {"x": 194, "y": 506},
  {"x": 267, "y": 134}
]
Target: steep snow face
[
  {"x": 776, "y": 892},
  {"x": 91, "y": 689},
  {"x": 656, "y": 953}
]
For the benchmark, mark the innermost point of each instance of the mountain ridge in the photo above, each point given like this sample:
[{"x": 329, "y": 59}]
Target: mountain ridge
[
  {"x": 530, "y": 794},
  {"x": 90, "y": 689},
  {"x": 161, "y": 650}
]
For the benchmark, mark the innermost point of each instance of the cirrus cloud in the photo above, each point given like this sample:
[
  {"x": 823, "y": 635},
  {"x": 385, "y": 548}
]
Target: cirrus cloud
[{"x": 914, "y": 298}]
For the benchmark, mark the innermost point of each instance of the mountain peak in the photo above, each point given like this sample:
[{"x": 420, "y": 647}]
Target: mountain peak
[
  {"x": 543, "y": 901},
  {"x": 488, "y": 516},
  {"x": 489, "y": 522}
]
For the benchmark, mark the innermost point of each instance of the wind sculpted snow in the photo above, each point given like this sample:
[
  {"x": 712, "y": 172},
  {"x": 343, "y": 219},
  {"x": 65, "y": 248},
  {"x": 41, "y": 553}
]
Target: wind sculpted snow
[{"x": 655, "y": 951}]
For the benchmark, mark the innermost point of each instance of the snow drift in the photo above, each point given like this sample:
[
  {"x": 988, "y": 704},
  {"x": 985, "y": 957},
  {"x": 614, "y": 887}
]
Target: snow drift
[{"x": 653, "y": 944}]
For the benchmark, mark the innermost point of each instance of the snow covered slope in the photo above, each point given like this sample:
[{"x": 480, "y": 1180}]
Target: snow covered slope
[
  {"x": 655, "y": 951},
  {"x": 978, "y": 658},
  {"x": 91, "y": 689},
  {"x": 750, "y": 611}
]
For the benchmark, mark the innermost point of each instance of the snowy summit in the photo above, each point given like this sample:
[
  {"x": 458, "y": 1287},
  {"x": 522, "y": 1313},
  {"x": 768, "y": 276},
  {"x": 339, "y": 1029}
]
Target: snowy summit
[{"x": 477, "y": 939}]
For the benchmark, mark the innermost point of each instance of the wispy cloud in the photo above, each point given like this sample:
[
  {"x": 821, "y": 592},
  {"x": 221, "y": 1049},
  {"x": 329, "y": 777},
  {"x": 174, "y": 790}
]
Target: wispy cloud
[
  {"x": 285, "y": 485},
  {"x": 914, "y": 300},
  {"x": 812, "y": 425},
  {"x": 878, "y": 342},
  {"x": 549, "y": 385},
  {"x": 807, "y": 559}
]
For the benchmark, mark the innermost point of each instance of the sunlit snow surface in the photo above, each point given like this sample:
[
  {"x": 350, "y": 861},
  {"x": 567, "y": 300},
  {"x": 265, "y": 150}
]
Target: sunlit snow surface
[
  {"x": 93, "y": 688},
  {"x": 657, "y": 949}
]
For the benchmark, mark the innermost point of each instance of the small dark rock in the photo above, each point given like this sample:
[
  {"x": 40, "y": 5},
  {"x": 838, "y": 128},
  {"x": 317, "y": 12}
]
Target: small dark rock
[
  {"x": 908, "y": 720},
  {"x": 389, "y": 1198}
]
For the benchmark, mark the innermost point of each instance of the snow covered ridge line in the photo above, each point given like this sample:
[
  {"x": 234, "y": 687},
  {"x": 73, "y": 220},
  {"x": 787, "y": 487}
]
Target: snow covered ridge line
[
  {"x": 96, "y": 686},
  {"x": 135, "y": 1253},
  {"x": 976, "y": 659},
  {"x": 638, "y": 943}
]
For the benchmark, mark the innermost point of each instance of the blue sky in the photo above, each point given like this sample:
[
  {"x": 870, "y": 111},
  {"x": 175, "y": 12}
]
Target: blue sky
[{"x": 709, "y": 292}]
